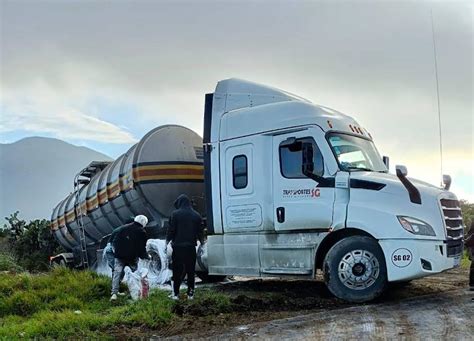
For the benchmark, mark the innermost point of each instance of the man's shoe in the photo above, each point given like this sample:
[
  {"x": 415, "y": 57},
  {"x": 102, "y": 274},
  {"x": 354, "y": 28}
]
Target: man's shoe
[
  {"x": 191, "y": 297},
  {"x": 113, "y": 297},
  {"x": 174, "y": 297},
  {"x": 121, "y": 294}
]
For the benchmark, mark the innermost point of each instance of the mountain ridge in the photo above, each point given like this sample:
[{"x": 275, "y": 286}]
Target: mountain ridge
[{"x": 37, "y": 172}]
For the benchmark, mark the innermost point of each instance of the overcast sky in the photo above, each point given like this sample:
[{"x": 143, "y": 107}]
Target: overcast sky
[{"x": 103, "y": 73}]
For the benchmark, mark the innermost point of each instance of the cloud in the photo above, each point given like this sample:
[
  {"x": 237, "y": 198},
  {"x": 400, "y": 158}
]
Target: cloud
[
  {"x": 371, "y": 60},
  {"x": 37, "y": 110},
  {"x": 459, "y": 165}
]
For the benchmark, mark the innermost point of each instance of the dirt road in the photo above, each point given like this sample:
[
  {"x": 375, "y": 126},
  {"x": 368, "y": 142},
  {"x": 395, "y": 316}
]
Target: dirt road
[
  {"x": 434, "y": 307},
  {"x": 448, "y": 315}
]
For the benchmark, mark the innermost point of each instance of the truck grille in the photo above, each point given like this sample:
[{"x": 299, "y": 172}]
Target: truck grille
[
  {"x": 453, "y": 219},
  {"x": 455, "y": 249}
]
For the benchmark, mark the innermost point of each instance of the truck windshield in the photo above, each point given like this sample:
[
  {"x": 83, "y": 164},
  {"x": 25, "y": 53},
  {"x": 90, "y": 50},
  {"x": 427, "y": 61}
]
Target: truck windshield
[{"x": 356, "y": 153}]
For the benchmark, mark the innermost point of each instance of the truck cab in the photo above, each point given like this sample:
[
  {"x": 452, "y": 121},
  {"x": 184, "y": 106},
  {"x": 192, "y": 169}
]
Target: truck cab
[{"x": 293, "y": 188}]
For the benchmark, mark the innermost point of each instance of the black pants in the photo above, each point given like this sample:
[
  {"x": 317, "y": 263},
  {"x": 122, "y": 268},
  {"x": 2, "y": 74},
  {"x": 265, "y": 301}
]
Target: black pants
[
  {"x": 184, "y": 262},
  {"x": 471, "y": 274}
]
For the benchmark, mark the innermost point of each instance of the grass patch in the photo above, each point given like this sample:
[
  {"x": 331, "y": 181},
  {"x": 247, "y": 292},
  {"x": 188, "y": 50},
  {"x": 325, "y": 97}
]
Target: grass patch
[
  {"x": 66, "y": 303},
  {"x": 206, "y": 302},
  {"x": 75, "y": 304},
  {"x": 465, "y": 262},
  {"x": 8, "y": 263}
]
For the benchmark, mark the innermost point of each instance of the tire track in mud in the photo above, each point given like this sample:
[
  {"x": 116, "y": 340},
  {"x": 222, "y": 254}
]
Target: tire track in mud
[
  {"x": 446, "y": 316},
  {"x": 285, "y": 304}
]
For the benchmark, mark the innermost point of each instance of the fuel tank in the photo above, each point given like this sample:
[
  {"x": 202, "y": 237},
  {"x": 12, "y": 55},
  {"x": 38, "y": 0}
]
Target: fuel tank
[{"x": 166, "y": 162}]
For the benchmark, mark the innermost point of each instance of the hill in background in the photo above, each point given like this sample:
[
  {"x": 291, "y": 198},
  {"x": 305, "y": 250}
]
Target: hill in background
[{"x": 37, "y": 172}]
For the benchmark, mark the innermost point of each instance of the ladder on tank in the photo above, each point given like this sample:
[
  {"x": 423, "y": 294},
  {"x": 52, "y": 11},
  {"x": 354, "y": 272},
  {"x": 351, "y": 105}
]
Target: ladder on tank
[
  {"x": 78, "y": 182},
  {"x": 81, "y": 179}
]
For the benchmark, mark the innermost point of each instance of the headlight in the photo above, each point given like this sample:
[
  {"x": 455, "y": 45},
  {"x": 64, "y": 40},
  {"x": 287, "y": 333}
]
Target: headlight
[{"x": 416, "y": 226}]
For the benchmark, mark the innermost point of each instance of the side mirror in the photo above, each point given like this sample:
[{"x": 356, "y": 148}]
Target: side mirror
[
  {"x": 308, "y": 163},
  {"x": 386, "y": 161},
  {"x": 401, "y": 170},
  {"x": 446, "y": 181}
]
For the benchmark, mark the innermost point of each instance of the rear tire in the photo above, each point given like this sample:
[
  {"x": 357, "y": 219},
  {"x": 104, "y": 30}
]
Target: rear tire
[
  {"x": 206, "y": 278},
  {"x": 59, "y": 263},
  {"x": 355, "y": 270}
]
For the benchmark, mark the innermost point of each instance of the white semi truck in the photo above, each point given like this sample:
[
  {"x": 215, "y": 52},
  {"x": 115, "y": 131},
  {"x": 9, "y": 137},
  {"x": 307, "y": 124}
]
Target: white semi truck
[
  {"x": 293, "y": 187},
  {"x": 289, "y": 188}
]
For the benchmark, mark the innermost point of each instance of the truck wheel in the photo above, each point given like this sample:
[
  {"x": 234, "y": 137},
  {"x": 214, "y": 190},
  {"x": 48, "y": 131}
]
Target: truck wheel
[
  {"x": 355, "y": 270},
  {"x": 59, "y": 263},
  {"x": 206, "y": 278}
]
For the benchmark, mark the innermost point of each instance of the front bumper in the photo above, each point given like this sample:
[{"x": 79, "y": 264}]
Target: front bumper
[{"x": 410, "y": 259}]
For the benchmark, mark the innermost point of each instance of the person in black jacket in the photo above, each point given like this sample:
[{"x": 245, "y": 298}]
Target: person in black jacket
[
  {"x": 469, "y": 244},
  {"x": 129, "y": 243},
  {"x": 185, "y": 228}
]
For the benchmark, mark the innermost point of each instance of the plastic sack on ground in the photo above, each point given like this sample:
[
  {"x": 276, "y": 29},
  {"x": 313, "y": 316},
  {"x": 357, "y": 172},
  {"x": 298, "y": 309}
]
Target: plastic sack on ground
[
  {"x": 108, "y": 255},
  {"x": 137, "y": 282},
  {"x": 105, "y": 264},
  {"x": 157, "y": 267}
]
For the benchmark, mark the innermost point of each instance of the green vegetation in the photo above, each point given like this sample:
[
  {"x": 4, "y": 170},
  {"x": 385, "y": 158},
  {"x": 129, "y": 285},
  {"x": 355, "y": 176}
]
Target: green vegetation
[
  {"x": 9, "y": 263},
  {"x": 467, "y": 209},
  {"x": 30, "y": 244},
  {"x": 465, "y": 261},
  {"x": 66, "y": 303}
]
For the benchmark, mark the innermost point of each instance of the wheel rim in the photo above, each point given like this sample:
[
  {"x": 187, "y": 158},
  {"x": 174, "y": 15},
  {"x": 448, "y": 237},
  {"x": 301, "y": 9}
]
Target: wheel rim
[{"x": 358, "y": 269}]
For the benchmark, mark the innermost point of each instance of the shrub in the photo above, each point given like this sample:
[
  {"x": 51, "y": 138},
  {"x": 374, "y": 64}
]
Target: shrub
[
  {"x": 467, "y": 209},
  {"x": 31, "y": 243},
  {"x": 8, "y": 263}
]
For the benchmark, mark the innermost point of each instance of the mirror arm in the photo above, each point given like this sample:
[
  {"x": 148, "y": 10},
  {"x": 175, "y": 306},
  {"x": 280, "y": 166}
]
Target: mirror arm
[{"x": 324, "y": 182}]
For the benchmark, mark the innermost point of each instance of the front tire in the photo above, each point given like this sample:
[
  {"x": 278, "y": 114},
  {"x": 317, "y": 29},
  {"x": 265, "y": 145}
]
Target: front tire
[{"x": 355, "y": 270}]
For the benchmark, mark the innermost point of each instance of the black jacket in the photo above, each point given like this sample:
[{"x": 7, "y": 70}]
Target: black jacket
[
  {"x": 469, "y": 240},
  {"x": 129, "y": 242},
  {"x": 185, "y": 224}
]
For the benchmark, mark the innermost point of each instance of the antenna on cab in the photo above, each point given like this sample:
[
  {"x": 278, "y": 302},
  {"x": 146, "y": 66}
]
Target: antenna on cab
[{"x": 437, "y": 95}]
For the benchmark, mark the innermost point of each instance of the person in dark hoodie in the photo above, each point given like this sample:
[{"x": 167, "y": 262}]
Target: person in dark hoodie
[
  {"x": 469, "y": 244},
  {"x": 129, "y": 243},
  {"x": 185, "y": 228}
]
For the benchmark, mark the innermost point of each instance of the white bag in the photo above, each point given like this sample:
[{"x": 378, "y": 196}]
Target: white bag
[
  {"x": 134, "y": 281},
  {"x": 158, "y": 265}
]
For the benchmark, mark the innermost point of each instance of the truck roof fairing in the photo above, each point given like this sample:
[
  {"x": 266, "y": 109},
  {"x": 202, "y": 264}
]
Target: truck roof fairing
[{"x": 236, "y": 101}]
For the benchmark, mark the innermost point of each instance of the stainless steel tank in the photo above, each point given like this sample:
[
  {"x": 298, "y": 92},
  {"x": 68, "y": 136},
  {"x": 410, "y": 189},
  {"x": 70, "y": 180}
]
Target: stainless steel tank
[{"x": 166, "y": 162}]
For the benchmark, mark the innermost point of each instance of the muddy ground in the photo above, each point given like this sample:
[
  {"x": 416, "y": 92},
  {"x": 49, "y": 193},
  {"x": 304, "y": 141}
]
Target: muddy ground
[{"x": 262, "y": 300}]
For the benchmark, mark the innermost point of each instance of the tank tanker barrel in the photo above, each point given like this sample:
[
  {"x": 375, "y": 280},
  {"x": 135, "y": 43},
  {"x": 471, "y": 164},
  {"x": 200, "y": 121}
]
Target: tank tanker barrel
[{"x": 166, "y": 162}]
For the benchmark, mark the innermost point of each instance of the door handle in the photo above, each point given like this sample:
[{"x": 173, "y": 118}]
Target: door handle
[{"x": 280, "y": 214}]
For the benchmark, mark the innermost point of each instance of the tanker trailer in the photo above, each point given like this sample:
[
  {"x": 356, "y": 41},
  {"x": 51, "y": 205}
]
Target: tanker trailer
[{"x": 166, "y": 162}]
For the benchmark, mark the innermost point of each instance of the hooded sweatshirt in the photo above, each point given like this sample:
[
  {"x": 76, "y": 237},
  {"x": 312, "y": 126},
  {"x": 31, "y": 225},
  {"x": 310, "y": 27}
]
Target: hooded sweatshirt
[
  {"x": 185, "y": 225},
  {"x": 469, "y": 241}
]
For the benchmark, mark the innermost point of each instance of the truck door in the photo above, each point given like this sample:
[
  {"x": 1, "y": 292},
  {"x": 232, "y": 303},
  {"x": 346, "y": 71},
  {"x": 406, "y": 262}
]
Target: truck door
[
  {"x": 242, "y": 209},
  {"x": 300, "y": 202}
]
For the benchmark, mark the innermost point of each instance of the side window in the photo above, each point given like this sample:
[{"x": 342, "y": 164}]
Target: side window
[
  {"x": 291, "y": 159},
  {"x": 239, "y": 171}
]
